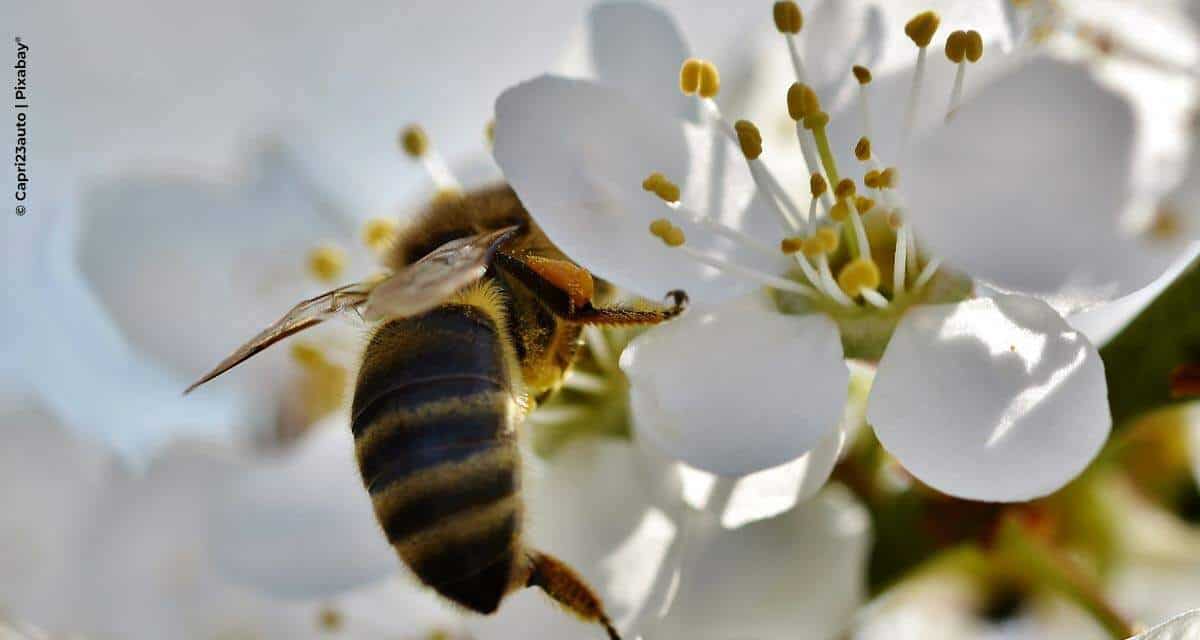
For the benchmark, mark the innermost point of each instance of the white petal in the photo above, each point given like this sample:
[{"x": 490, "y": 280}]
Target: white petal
[
  {"x": 638, "y": 49},
  {"x": 1182, "y": 627},
  {"x": 577, "y": 153},
  {"x": 302, "y": 526},
  {"x": 737, "y": 389},
  {"x": 49, "y": 483},
  {"x": 992, "y": 399},
  {"x": 797, "y": 575},
  {"x": 1025, "y": 188}
]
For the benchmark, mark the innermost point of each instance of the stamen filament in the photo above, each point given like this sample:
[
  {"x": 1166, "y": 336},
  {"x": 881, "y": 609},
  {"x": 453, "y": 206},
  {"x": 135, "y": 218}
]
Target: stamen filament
[
  {"x": 775, "y": 282},
  {"x": 861, "y": 246},
  {"x": 810, "y": 159},
  {"x": 725, "y": 231},
  {"x": 927, "y": 273},
  {"x": 898, "y": 261},
  {"x": 875, "y": 298},
  {"x": 910, "y": 111},
  {"x": 831, "y": 285},
  {"x": 956, "y": 93}
]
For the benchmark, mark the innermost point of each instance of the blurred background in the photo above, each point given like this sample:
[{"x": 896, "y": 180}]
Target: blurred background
[{"x": 185, "y": 159}]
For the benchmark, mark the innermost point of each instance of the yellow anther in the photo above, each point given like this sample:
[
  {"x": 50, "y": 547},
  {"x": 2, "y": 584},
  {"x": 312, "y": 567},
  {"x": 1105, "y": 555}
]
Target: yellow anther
[
  {"x": 956, "y": 46},
  {"x": 814, "y": 247},
  {"x": 674, "y": 237},
  {"x": 710, "y": 80},
  {"x": 864, "y": 204},
  {"x": 749, "y": 138},
  {"x": 788, "y": 18},
  {"x": 812, "y": 103},
  {"x": 922, "y": 27},
  {"x": 792, "y": 245},
  {"x": 330, "y": 619},
  {"x": 817, "y": 185},
  {"x": 829, "y": 239},
  {"x": 888, "y": 178},
  {"x": 862, "y": 74},
  {"x": 845, "y": 189},
  {"x": 689, "y": 76},
  {"x": 325, "y": 263},
  {"x": 839, "y": 211},
  {"x": 660, "y": 227},
  {"x": 859, "y": 274},
  {"x": 895, "y": 220},
  {"x": 659, "y": 185},
  {"x": 871, "y": 179},
  {"x": 816, "y": 120},
  {"x": 307, "y": 355},
  {"x": 489, "y": 131},
  {"x": 379, "y": 233},
  {"x": 974, "y": 46},
  {"x": 862, "y": 150},
  {"x": 795, "y": 101},
  {"x": 414, "y": 141}
]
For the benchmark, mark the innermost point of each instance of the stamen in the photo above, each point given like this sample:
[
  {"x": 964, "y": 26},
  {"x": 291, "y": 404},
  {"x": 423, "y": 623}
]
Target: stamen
[
  {"x": 415, "y": 143},
  {"x": 326, "y": 263},
  {"x": 875, "y": 298},
  {"x": 689, "y": 76},
  {"x": 797, "y": 109},
  {"x": 750, "y": 140},
  {"x": 846, "y": 194},
  {"x": 830, "y": 284},
  {"x": 859, "y": 274},
  {"x": 674, "y": 238},
  {"x": 710, "y": 81},
  {"x": 659, "y": 185},
  {"x": 927, "y": 273},
  {"x": 810, "y": 247},
  {"x": 899, "y": 259},
  {"x": 789, "y": 20},
  {"x": 961, "y": 47},
  {"x": 815, "y": 120},
  {"x": 379, "y": 233},
  {"x": 863, "y": 75},
  {"x": 920, "y": 29},
  {"x": 862, "y": 150},
  {"x": 818, "y": 187},
  {"x": 489, "y": 132}
]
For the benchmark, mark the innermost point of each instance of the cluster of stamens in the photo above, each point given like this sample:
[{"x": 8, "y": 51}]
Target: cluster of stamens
[{"x": 835, "y": 234}]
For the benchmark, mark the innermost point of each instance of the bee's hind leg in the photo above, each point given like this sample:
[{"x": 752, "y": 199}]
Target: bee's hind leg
[
  {"x": 567, "y": 588},
  {"x": 615, "y": 316}
]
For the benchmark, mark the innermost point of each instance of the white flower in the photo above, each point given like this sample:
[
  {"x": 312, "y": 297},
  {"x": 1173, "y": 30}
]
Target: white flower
[
  {"x": 1022, "y": 182},
  {"x": 1182, "y": 627}
]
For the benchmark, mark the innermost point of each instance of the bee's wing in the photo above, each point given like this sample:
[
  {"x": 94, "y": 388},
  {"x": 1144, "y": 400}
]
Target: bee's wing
[
  {"x": 419, "y": 287},
  {"x": 427, "y": 282},
  {"x": 306, "y": 314}
]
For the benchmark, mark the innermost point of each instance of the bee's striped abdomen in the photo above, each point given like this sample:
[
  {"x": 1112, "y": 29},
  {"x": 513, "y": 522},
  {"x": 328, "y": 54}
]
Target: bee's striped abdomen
[{"x": 434, "y": 421}]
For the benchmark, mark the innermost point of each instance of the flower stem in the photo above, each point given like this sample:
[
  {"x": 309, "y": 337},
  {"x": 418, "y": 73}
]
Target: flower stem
[{"x": 1048, "y": 568}]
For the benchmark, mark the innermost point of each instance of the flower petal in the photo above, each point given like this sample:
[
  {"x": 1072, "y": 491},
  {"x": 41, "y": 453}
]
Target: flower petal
[
  {"x": 737, "y": 389},
  {"x": 992, "y": 399},
  {"x": 1182, "y": 627},
  {"x": 577, "y": 153},
  {"x": 750, "y": 582},
  {"x": 1026, "y": 187},
  {"x": 638, "y": 49},
  {"x": 302, "y": 527}
]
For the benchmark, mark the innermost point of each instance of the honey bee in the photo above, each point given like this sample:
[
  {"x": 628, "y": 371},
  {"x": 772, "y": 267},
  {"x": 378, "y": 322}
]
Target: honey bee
[{"x": 478, "y": 321}]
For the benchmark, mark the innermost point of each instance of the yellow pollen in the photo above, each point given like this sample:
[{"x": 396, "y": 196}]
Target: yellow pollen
[
  {"x": 888, "y": 178},
  {"x": 862, "y": 74},
  {"x": 414, "y": 141},
  {"x": 845, "y": 189},
  {"x": 710, "y": 80},
  {"x": 859, "y": 274},
  {"x": 330, "y": 619},
  {"x": 808, "y": 97},
  {"x": 308, "y": 356},
  {"x": 489, "y": 131},
  {"x": 829, "y": 239},
  {"x": 895, "y": 221},
  {"x": 813, "y": 247},
  {"x": 864, "y": 204},
  {"x": 379, "y": 233},
  {"x": 749, "y": 138},
  {"x": 674, "y": 237},
  {"x": 795, "y": 101},
  {"x": 839, "y": 211},
  {"x": 922, "y": 27},
  {"x": 956, "y": 46},
  {"x": 793, "y": 245},
  {"x": 816, "y": 120},
  {"x": 862, "y": 150},
  {"x": 871, "y": 179},
  {"x": 325, "y": 263},
  {"x": 659, "y": 185},
  {"x": 817, "y": 185},
  {"x": 788, "y": 18},
  {"x": 974, "y": 46},
  {"x": 660, "y": 227},
  {"x": 689, "y": 76}
]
